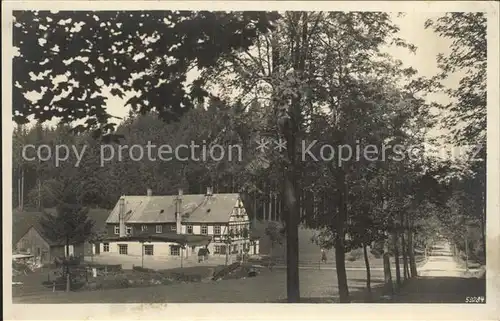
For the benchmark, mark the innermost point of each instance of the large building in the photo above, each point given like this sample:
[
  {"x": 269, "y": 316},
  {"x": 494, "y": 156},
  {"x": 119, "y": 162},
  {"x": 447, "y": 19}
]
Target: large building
[{"x": 178, "y": 225}]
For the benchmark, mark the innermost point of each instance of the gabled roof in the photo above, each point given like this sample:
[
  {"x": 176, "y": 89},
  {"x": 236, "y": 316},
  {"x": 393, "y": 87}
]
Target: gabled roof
[
  {"x": 23, "y": 221},
  {"x": 195, "y": 208},
  {"x": 38, "y": 228}
]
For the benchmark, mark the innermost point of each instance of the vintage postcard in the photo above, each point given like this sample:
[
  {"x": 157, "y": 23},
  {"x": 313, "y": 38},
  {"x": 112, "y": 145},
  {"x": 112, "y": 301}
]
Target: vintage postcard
[{"x": 291, "y": 160}]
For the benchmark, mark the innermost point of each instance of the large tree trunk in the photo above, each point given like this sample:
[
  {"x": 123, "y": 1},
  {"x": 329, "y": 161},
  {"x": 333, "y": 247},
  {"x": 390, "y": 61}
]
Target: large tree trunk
[
  {"x": 264, "y": 203},
  {"x": 340, "y": 238},
  {"x": 255, "y": 209},
  {"x": 368, "y": 274},
  {"x": 341, "y": 272},
  {"x": 290, "y": 125},
  {"x": 407, "y": 250},
  {"x": 388, "y": 286},
  {"x": 68, "y": 279},
  {"x": 396, "y": 257},
  {"x": 411, "y": 251},
  {"x": 271, "y": 204},
  {"x": 387, "y": 269},
  {"x": 291, "y": 221},
  {"x": 405, "y": 257},
  {"x": 292, "y": 236},
  {"x": 403, "y": 247}
]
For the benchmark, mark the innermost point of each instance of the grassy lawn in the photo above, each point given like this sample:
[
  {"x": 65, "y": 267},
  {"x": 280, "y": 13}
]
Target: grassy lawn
[
  {"x": 33, "y": 282},
  {"x": 268, "y": 287},
  {"x": 310, "y": 253},
  {"x": 318, "y": 285}
]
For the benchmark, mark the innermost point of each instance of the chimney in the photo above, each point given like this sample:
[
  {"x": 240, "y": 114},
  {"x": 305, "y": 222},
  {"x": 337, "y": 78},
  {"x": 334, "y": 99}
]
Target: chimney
[
  {"x": 178, "y": 211},
  {"x": 150, "y": 192},
  {"x": 121, "y": 216}
]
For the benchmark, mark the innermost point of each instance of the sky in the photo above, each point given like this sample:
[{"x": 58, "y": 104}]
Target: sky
[{"x": 411, "y": 25}]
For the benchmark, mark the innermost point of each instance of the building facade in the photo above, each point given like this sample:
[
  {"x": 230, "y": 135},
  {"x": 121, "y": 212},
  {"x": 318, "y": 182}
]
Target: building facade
[
  {"x": 178, "y": 225},
  {"x": 44, "y": 250}
]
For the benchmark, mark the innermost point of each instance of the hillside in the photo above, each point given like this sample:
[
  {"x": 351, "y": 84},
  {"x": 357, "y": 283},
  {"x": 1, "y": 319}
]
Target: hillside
[{"x": 309, "y": 252}]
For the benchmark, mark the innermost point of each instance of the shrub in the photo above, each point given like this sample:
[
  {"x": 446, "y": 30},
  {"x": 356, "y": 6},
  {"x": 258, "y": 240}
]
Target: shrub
[
  {"x": 119, "y": 282},
  {"x": 142, "y": 269},
  {"x": 377, "y": 249},
  {"x": 226, "y": 271},
  {"x": 354, "y": 255},
  {"x": 60, "y": 284},
  {"x": 183, "y": 277}
]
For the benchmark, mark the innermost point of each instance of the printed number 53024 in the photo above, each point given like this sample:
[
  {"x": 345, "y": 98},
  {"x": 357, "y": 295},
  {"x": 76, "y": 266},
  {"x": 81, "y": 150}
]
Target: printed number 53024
[{"x": 474, "y": 299}]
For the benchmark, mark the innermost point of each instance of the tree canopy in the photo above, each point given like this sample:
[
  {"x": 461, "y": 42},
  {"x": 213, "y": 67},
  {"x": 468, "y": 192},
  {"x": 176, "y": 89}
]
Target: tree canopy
[{"x": 71, "y": 55}]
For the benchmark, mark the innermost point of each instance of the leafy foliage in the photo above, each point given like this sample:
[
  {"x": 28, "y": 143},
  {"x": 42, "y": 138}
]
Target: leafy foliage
[
  {"x": 468, "y": 60},
  {"x": 71, "y": 55},
  {"x": 70, "y": 225}
]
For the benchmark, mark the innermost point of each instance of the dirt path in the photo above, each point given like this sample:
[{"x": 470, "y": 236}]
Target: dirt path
[{"x": 442, "y": 280}]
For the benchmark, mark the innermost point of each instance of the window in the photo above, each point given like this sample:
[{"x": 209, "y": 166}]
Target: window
[
  {"x": 173, "y": 228},
  {"x": 174, "y": 250},
  {"x": 204, "y": 229},
  {"x": 129, "y": 230},
  {"x": 144, "y": 228},
  {"x": 105, "y": 247},
  {"x": 148, "y": 249},
  {"x": 189, "y": 229},
  {"x": 117, "y": 230},
  {"x": 217, "y": 230},
  {"x": 217, "y": 249},
  {"x": 123, "y": 249},
  {"x": 159, "y": 229}
]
